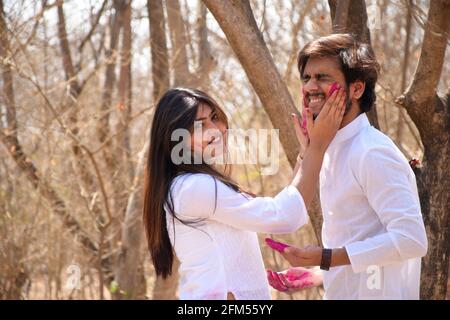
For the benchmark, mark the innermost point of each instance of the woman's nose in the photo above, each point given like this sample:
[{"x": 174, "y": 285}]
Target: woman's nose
[
  {"x": 214, "y": 126},
  {"x": 212, "y": 129}
]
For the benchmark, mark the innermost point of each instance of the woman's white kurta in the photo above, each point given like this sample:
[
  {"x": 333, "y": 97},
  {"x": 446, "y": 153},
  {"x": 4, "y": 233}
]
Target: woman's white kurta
[{"x": 221, "y": 253}]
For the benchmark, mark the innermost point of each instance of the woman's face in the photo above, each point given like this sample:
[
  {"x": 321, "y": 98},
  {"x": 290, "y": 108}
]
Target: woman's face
[{"x": 209, "y": 134}]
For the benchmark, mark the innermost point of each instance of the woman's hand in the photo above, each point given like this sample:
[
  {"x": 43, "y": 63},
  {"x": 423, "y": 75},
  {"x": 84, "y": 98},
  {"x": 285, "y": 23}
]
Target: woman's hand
[
  {"x": 322, "y": 130},
  {"x": 302, "y": 135},
  {"x": 294, "y": 279}
]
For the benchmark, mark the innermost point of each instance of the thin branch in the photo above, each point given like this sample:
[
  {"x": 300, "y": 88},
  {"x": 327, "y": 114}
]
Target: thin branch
[
  {"x": 37, "y": 18},
  {"x": 421, "y": 99},
  {"x": 93, "y": 27}
]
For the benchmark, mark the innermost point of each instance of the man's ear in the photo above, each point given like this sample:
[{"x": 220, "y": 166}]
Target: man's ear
[{"x": 357, "y": 89}]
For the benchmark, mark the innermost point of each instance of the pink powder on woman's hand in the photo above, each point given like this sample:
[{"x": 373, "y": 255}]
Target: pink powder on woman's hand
[
  {"x": 275, "y": 281},
  {"x": 278, "y": 246},
  {"x": 296, "y": 277},
  {"x": 306, "y": 284},
  {"x": 305, "y": 105},
  {"x": 298, "y": 281}
]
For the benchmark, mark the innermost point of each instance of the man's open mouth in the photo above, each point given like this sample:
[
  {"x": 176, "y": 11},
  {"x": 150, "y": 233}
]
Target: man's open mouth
[{"x": 316, "y": 97}]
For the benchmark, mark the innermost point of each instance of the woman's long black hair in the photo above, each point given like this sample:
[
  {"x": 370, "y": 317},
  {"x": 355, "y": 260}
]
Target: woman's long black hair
[{"x": 177, "y": 109}]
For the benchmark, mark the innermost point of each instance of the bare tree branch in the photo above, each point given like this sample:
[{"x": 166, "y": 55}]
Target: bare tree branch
[
  {"x": 421, "y": 99},
  {"x": 93, "y": 27}
]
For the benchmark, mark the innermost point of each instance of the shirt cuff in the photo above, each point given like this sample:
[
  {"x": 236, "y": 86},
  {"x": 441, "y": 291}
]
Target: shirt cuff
[
  {"x": 376, "y": 251},
  {"x": 356, "y": 259}
]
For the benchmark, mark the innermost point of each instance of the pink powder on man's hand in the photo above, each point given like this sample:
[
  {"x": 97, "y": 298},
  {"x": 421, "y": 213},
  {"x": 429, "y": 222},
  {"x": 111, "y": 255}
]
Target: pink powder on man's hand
[{"x": 279, "y": 246}]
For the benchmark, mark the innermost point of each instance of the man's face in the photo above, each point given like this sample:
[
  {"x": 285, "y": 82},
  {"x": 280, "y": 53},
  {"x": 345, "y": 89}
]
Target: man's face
[{"x": 318, "y": 76}]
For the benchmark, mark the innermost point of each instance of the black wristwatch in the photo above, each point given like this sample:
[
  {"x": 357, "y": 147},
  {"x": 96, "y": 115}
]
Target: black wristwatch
[{"x": 325, "y": 263}]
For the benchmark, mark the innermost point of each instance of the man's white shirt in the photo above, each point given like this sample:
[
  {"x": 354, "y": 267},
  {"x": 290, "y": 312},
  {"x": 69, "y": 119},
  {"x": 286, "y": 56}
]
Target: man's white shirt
[{"x": 371, "y": 207}]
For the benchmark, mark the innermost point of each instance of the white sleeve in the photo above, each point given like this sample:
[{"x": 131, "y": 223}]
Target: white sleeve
[
  {"x": 390, "y": 187},
  {"x": 202, "y": 196}
]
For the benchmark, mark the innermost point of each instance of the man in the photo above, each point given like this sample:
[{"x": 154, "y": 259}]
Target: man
[{"x": 373, "y": 232}]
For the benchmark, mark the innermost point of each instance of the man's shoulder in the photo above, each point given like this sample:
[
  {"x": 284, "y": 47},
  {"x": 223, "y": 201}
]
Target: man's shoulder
[
  {"x": 371, "y": 138},
  {"x": 372, "y": 143}
]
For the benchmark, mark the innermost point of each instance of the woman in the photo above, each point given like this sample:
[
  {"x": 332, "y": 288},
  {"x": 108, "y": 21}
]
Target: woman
[{"x": 197, "y": 210}]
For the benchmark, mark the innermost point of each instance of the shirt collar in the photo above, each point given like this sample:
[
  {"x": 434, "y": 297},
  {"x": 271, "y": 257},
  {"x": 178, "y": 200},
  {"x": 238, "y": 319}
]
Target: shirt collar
[{"x": 351, "y": 129}]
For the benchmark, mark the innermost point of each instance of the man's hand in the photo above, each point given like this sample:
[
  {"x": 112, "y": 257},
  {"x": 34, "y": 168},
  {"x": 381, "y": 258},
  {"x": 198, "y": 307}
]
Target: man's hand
[
  {"x": 294, "y": 279},
  {"x": 309, "y": 256}
]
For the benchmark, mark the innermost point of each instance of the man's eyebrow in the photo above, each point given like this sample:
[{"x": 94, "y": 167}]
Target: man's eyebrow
[{"x": 321, "y": 74}]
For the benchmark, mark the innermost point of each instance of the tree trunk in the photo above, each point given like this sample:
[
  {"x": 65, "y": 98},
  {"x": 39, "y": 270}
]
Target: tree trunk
[
  {"x": 350, "y": 16},
  {"x": 236, "y": 19},
  {"x": 123, "y": 147},
  {"x": 340, "y": 15},
  {"x": 125, "y": 84},
  {"x": 103, "y": 126},
  {"x": 158, "y": 45},
  {"x": 205, "y": 57},
  {"x": 405, "y": 64},
  {"x": 180, "y": 62},
  {"x": 431, "y": 114},
  {"x": 165, "y": 289},
  {"x": 128, "y": 273},
  {"x": 127, "y": 277}
]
